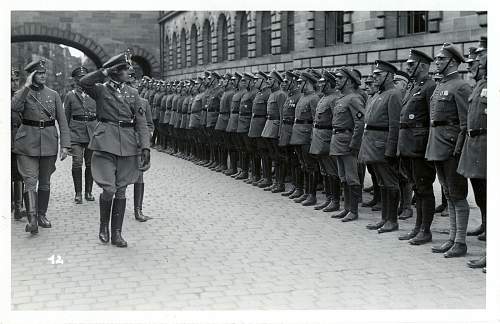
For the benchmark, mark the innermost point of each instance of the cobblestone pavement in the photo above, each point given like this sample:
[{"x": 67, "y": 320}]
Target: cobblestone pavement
[{"x": 217, "y": 243}]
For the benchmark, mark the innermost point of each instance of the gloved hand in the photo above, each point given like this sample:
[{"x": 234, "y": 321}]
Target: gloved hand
[
  {"x": 391, "y": 159},
  {"x": 64, "y": 153},
  {"x": 145, "y": 159}
]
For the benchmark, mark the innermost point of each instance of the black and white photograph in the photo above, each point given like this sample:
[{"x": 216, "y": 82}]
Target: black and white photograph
[{"x": 249, "y": 162}]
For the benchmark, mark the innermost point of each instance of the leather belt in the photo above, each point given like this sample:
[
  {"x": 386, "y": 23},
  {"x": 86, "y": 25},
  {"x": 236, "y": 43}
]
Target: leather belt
[
  {"x": 413, "y": 125},
  {"x": 288, "y": 121},
  {"x": 329, "y": 127},
  {"x": 258, "y": 116},
  {"x": 41, "y": 124},
  {"x": 270, "y": 117},
  {"x": 224, "y": 113},
  {"x": 83, "y": 118},
  {"x": 303, "y": 121},
  {"x": 119, "y": 123},
  {"x": 476, "y": 132},
  {"x": 341, "y": 130},
  {"x": 436, "y": 123},
  {"x": 377, "y": 128},
  {"x": 245, "y": 114}
]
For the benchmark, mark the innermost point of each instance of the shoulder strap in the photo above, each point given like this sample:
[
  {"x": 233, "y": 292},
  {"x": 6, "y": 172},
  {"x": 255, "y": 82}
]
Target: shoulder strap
[{"x": 45, "y": 110}]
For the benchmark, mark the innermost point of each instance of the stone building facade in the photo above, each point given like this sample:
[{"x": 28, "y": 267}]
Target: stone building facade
[{"x": 194, "y": 41}]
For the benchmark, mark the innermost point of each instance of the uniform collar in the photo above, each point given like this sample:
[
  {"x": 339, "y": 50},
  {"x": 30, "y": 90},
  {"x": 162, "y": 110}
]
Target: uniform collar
[
  {"x": 36, "y": 88},
  {"x": 450, "y": 76},
  {"x": 117, "y": 86}
]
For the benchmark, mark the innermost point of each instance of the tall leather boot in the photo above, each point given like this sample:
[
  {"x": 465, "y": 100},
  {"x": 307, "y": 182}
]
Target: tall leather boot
[
  {"x": 299, "y": 184},
  {"x": 347, "y": 202},
  {"x": 294, "y": 180},
  {"x": 266, "y": 171},
  {"x": 427, "y": 205},
  {"x": 18, "y": 200},
  {"x": 223, "y": 159},
  {"x": 257, "y": 168},
  {"x": 392, "y": 203},
  {"x": 42, "y": 205},
  {"x": 77, "y": 182},
  {"x": 280, "y": 179},
  {"x": 375, "y": 198},
  {"x": 138, "y": 198},
  {"x": 104, "y": 215},
  {"x": 89, "y": 181},
  {"x": 334, "y": 204},
  {"x": 383, "y": 212},
  {"x": 232, "y": 164},
  {"x": 304, "y": 195},
  {"x": 328, "y": 194},
  {"x": 30, "y": 202},
  {"x": 244, "y": 167},
  {"x": 406, "y": 194},
  {"x": 354, "y": 200},
  {"x": 117, "y": 215},
  {"x": 311, "y": 198}
]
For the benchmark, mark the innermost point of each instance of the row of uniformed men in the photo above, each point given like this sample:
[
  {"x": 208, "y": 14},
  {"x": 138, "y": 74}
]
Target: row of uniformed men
[
  {"x": 103, "y": 123},
  {"x": 311, "y": 122}
]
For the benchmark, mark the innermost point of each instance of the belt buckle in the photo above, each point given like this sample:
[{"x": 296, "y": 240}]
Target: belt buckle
[
  {"x": 469, "y": 132},
  {"x": 42, "y": 124},
  {"x": 120, "y": 123}
]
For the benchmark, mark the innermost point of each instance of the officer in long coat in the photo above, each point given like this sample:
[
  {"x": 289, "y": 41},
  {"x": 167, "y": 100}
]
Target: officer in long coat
[
  {"x": 194, "y": 118},
  {"x": 448, "y": 112},
  {"x": 213, "y": 107},
  {"x": 235, "y": 154},
  {"x": 289, "y": 159},
  {"x": 222, "y": 122},
  {"x": 473, "y": 159},
  {"x": 348, "y": 123},
  {"x": 380, "y": 140},
  {"x": 36, "y": 141},
  {"x": 81, "y": 117},
  {"x": 257, "y": 123},
  {"x": 16, "y": 178},
  {"x": 320, "y": 141},
  {"x": 301, "y": 136},
  {"x": 120, "y": 142},
  {"x": 270, "y": 131},
  {"x": 412, "y": 142}
]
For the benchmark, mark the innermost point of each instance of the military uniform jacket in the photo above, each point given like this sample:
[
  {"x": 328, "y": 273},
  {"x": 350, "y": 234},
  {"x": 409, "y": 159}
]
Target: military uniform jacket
[
  {"x": 245, "y": 113},
  {"x": 213, "y": 106},
  {"x": 304, "y": 112},
  {"x": 383, "y": 110},
  {"x": 178, "y": 110},
  {"x": 149, "y": 116},
  {"x": 79, "y": 104},
  {"x": 160, "y": 111},
  {"x": 114, "y": 105},
  {"x": 274, "y": 111},
  {"x": 196, "y": 107},
  {"x": 449, "y": 102},
  {"x": 150, "y": 96},
  {"x": 348, "y": 114},
  {"x": 415, "y": 114},
  {"x": 36, "y": 141},
  {"x": 184, "y": 112},
  {"x": 259, "y": 113},
  {"x": 287, "y": 118},
  {"x": 473, "y": 159},
  {"x": 224, "y": 110},
  {"x": 322, "y": 126},
  {"x": 232, "y": 125},
  {"x": 204, "y": 106},
  {"x": 15, "y": 123},
  {"x": 156, "y": 102},
  {"x": 168, "y": 108},
  {"x": 173, "y": 113}
]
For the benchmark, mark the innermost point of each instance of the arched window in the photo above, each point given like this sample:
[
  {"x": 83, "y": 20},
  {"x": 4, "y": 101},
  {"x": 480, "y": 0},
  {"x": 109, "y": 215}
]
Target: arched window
[
  {"x": 243, "y": 35},
  {"x": 287, "y": 32},
  {"x": 174, "y": 52},
  {"x": 183, "y": 48},
  {"x": 194, "y": 45},
  {"x": 166, "y": 56},
  {"x": 221, "y": 38},
  {"x": 265, "y": 33},
  {"x": 207, "y": 43}
]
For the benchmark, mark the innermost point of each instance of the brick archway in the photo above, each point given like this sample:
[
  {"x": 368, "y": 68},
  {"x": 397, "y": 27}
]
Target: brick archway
[
  {"x": 40, "y": 33},
  {"x": 146, "y": 60}
]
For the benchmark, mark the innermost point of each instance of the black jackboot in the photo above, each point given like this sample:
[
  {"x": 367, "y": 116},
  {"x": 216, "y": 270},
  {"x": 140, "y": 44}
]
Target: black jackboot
[
  {"x": 392, "y": 203},
  {"x": 294, "y": 182},
  {"x": 280, "y": 179},
  {"x": 104, "y": 215},
  {"x": 334, "y": 204},
  {"x": 379, "y": 224},
  {"x": 18, "y": 200},
  {"x": 89, "y": 181},
  {"x": 43, "y": 204},
  {"x": 138, "y": 198},
  {"x": 30, "y": 198},
  {"x": 354, "y": 199},
  {"x": 347, "y": 202},
  {"x": 117, "y": 215},
  {"x": 328, "y": 194},
  {"x": 311, "y": 198},
  {"x": 304, "y": 195},
  {"x": 77, "y": 182}
]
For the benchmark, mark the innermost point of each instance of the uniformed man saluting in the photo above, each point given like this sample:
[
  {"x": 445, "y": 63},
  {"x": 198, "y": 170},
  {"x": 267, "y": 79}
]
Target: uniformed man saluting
[
  {"x": 80, "y": 113},
  {"x": 120, "y": 141},
  {"x": 36, "y": 141}
]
